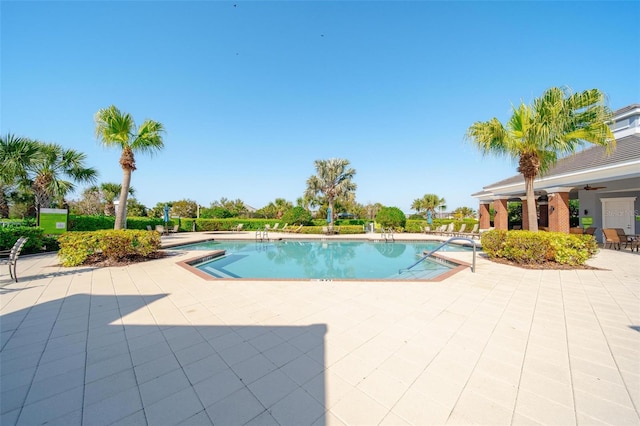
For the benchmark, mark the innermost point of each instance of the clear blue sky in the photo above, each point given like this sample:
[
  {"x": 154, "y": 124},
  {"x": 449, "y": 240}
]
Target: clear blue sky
[{"x": 251, "y": 93}]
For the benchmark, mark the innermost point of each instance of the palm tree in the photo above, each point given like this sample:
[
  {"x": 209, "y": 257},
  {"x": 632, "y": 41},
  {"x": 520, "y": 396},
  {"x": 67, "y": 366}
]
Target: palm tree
[
  {"x": 16, "y": 154},
  {"x": 114, "y": 128},
  {"x": 47, "y": 173},
  {"x": 110, "y": 191},
  {"x": 333, "y": 180},
  {"x": 555, "y": 124},
  {"x": 428, "y": 202}
]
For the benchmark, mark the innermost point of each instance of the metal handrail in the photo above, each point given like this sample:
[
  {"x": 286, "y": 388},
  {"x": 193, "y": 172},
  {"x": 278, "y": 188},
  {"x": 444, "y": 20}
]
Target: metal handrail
[
  {"x": 387, "y": 234},
  {"x": 473, "y": 265}
]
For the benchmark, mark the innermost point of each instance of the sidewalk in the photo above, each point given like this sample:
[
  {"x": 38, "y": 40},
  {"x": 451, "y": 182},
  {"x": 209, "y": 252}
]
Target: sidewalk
[{"x": 153, "y": 344}]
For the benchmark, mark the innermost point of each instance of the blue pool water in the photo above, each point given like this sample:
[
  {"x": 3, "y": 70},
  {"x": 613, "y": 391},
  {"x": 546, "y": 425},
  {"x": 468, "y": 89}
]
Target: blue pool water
[{"x": 321, "y": 260}]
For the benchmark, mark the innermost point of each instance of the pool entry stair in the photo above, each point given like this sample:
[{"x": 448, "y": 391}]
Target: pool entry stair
[{"x": 431, "y": 253}]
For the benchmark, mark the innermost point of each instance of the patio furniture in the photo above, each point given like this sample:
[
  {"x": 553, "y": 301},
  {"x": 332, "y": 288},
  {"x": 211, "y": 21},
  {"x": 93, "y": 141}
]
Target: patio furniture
[
  {"x": 238, "y": 228},
  {"x": 590, "y": 230},
  {"x": 175, "y": 229},
  {"x": 610, "y": 236},
  {"x": 160, "y": 229},
  {"x": 626, "y": 239},
  {"x": 12, "y": 255}
]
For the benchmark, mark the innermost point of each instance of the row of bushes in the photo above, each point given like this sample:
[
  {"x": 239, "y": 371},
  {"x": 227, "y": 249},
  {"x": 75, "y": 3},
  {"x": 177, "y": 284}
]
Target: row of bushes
[
  {"x": 77, "y": 247},
  {"x": 37, "y": 242},
  {"x": 94, "y": 223},
  {"x": 526, "y": 247}
]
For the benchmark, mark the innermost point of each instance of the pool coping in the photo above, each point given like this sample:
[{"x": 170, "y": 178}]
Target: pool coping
[{"x": 210, "y": 255}]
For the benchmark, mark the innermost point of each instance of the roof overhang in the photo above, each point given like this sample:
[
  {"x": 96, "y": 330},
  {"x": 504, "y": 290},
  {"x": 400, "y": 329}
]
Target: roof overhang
[{"x": 603, "y": 174}]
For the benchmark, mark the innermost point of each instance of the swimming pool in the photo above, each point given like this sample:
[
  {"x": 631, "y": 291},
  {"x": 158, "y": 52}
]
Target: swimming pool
[{"x": 321, "y": 260}]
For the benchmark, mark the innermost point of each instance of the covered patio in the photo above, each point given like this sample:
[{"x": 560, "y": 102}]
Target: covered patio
[{"x": 607, "y": 187}]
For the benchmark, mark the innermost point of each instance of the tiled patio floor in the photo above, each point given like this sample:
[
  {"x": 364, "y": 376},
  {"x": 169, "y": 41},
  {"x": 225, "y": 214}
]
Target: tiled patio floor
[{"x": 153, "y": 344}]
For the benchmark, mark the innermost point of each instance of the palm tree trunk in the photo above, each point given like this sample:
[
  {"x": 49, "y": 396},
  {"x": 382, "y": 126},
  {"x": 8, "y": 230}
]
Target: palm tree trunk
[
  {"x": 331, "y": 214},
  {"x": 531, "y": 204},
  {"x": 122, "y": 204}
]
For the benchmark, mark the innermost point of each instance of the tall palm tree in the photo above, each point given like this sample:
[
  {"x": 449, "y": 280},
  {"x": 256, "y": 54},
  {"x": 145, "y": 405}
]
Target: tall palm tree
[
  {"x": 54, "y": 171},
  {"x": 333, "y": 180},
  {"x": 16, "y": 154},
  {"x": 556, "y": 124},
  {"x": 428, "y": 202},
  {"x": 114, "y": 128}
]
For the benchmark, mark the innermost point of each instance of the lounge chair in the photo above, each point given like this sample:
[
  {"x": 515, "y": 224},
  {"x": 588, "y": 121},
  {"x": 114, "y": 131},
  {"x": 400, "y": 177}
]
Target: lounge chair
[
  {"x": 238, "y": 228},
  {"x": 175, "y": 229},
  {"x": 160, "y": 229},
  {"x": 448, "y": 230},
  {"x": 297, "y": 230},
  {"x": 12, "y": 255},
  {"x": 149, "y": 228},
  {"x": 284, "y": 228},
  {"x": 473, "y": 233},
  {"x": 460, "y": 231},
  {"x": 275, "y": 227}
]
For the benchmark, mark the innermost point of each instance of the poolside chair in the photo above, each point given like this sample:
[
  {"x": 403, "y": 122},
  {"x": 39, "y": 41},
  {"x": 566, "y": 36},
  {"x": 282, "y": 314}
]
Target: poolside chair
[
  {"x": 297, "y": 230},
  {"x": 238, "y": 228},
  {"x": 473, "y": 233},
  {"x": 284, "y": 228},
  {"x": 160, "y": 229},
  {"x": 448, "y": 230},
  {"x": 149, "y": 228},
  {"x": 175, "y": 229},
  {"x": 12, "y": 255},
  {"x": 460, "y": 231},
  {"x": 626, "y": 239},
  {"x": 610, "y": 236},
  {"x": 325, "y": 230},
  {"x": 590, "y": 230},
  {"x": 275, "y": 227}
]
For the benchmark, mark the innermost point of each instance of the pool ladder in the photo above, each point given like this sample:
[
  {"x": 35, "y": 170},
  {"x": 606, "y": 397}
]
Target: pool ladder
[
  {"x": 262, "y": 234},
  {"x": 473, "y": 265},
  {"x": 387, "y": 234}
]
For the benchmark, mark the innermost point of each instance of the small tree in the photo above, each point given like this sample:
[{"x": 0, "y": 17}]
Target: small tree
[
  {"x": 297, "y": 216},
  {"x": 391, "y": 217}
]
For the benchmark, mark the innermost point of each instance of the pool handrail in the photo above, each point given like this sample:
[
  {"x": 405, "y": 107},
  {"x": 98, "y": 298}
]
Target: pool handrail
[{"x": 473, "y": 265}]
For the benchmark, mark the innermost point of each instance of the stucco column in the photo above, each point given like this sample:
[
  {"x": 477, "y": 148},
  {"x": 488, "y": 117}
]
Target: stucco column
[
  {"x": 501, "y": 219},
  {"x": 485, "y": 216},
  {"x": 559, "y": 212}
]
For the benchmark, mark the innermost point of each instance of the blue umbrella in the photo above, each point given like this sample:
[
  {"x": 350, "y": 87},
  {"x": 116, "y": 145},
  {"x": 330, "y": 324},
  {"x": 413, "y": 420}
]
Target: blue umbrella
[
  {"x": 329, "y": 215},
  {"x": 166, "y": 213},
  {"x": 429, "y": 218}
]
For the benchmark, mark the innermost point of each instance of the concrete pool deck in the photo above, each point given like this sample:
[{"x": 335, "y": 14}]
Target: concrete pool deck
[{"x": 153, "y": 344}]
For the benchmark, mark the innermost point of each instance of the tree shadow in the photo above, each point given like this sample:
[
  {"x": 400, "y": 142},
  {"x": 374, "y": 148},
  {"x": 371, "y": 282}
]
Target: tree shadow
[{"x": 79, "y": 360}]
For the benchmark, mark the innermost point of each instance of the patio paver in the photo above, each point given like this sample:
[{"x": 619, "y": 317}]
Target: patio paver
[{"x": 154, "y": 344}]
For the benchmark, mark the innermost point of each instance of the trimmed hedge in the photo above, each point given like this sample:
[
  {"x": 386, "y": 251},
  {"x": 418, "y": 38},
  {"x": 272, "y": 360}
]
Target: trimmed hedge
[
  {"x": 35, "y": 244},
  {"x": 76, "y": 247},
  {"x": 95, "y": 223},
  {"x": 526, "y": 247}
]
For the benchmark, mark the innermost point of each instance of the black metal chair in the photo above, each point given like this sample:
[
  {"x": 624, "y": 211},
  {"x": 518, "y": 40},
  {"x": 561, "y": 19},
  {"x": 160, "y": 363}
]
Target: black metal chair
[{"x": 12, "y": 255}]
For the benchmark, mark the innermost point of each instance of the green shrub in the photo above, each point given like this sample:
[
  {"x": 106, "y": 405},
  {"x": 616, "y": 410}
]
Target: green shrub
[
  {"x": 10, "y": 234},
  {"x": 297, "y": 216},
  {"x": 344, "y": 229},
  {"x": 96, "y": 223},
  {"x": 76, "y": 247},
  {"x": 391, "y": 217},
  {"x": 526, "y": 247}
]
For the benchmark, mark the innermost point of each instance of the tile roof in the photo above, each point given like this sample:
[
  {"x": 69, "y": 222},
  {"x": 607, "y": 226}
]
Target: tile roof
[{"x": 627, "y": 150}]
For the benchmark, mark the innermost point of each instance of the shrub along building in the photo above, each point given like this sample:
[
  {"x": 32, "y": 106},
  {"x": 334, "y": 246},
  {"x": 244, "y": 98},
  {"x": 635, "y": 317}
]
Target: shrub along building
[{"x": 607, "y": 186}]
